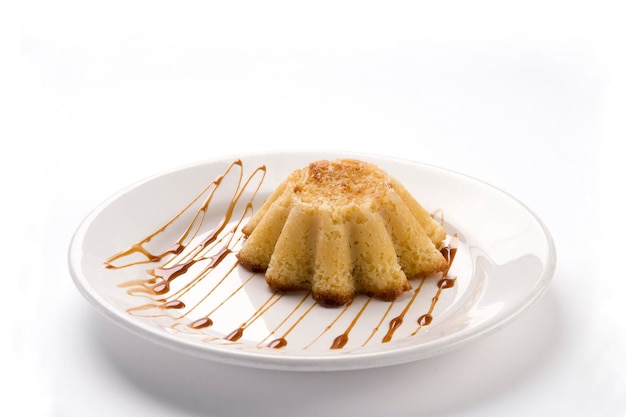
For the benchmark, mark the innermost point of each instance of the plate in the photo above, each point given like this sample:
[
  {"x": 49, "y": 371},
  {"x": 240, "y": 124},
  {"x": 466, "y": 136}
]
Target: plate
[{"x": 159, "y": 258}]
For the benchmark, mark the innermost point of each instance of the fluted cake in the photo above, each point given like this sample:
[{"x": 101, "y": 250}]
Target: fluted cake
[{"x": 341, "y": 228}]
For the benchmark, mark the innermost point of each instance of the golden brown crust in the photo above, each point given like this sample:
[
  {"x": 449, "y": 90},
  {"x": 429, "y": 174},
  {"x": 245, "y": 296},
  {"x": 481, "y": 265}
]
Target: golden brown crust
[
  {"x": 340, "y": 182},
  {"x": 390, "y": 294},
  {"x": 254, "y": 267},
  {"x": 341, "y": 228},
  {"x": 286, "y": 286},
  {"x": 332, "y": 300}
]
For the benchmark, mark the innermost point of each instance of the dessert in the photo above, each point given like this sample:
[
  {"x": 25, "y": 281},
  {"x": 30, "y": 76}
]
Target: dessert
[{"x": 341, "y": 228}]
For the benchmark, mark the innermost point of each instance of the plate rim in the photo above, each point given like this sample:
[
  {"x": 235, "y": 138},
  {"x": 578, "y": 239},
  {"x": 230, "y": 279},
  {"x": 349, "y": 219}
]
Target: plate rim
[{"x": 311, "y": 362}]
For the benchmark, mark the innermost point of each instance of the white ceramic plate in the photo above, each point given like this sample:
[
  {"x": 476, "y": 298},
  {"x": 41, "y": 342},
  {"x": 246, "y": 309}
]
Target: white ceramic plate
[{"x": 504, "y": 262}]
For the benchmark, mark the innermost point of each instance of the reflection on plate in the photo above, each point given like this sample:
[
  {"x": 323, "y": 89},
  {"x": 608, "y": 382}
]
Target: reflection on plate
[{"x": 160, "y": 259}]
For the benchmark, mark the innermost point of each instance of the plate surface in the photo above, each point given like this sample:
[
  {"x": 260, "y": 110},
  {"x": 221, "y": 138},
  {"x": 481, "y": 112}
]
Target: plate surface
[{"x": 207, "y": 305}]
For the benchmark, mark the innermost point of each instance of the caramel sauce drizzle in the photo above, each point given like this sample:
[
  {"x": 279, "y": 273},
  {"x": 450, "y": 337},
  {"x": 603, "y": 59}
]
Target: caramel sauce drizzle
[
  {"x": 341, "y": 340},
  {"x": 269, "y": 303},
  {"x": 380, "y": 323},
  {"x": 397, "y": 321},
  {"x": 201, "y": 323},
  {"x": 449, "y": 252},
  {"x": 281, "y": 341},
  {"x": 206, "y": 321},
  {"x": 427, "y": 318},
  {"x": 211, "y": 249},
  {"x": 330, "y": 326},
  {"x": 178, "y": 246},
  {"x": 208, "y": 250}
]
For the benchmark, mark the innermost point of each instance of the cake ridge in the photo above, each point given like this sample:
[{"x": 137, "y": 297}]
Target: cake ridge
[{"x": 341, "y": 228}]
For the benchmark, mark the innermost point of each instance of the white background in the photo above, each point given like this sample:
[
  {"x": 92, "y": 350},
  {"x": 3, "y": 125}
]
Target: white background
[{"x": 529, "y": 96}]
